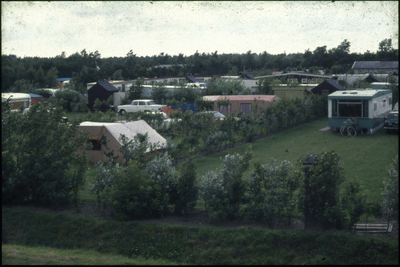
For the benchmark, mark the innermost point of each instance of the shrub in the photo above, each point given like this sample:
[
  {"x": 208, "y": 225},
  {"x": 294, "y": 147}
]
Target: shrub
[
  {"x": 187, "y": 189},
  {"x": 133, "y": 196},
  {"x": 319, "y": 195},
  {"x": 224, "y": 192},
  {"x": 353, "y": 201},
  {"x": 161, "y": 171},
  {"x": 67, "y": 98},
  {"x": 390, "y": 191},
  {"x": 39, "y": 159},
  {"x": 271, "y": 191}
]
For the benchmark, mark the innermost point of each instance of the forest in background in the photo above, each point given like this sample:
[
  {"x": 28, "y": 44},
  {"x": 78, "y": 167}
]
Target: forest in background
[{"x": 24, "y": 74}]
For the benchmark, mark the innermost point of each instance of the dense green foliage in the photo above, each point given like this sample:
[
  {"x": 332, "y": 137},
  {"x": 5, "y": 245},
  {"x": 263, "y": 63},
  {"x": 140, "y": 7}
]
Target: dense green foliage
[
  {"x": 39, "y": 163},
  {"x": 271, "y": 191},
  {"x": 390, "y": 191},
  {"x": 187, "y": 188},
  {"x": 224, "y": 191},
  {"x": 70, "y": 100},
  {"x": 196, "y": 245},
  {"x": 320, "y": 192}
]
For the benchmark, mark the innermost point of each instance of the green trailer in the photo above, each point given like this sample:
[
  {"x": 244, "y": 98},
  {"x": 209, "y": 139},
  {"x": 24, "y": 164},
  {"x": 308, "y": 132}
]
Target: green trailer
[{"x": 368, "y": 106}]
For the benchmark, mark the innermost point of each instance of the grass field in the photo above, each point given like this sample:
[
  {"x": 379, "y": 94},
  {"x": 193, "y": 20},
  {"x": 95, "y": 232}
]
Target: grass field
[
  {"x": 365, "y": 156},
  {"x": 40, "y": 236},
  {"x": 38, "y": 255}
]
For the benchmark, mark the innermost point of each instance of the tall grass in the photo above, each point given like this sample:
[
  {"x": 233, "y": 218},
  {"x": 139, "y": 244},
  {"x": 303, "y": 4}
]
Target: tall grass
[{"x": 183, "y": 245}]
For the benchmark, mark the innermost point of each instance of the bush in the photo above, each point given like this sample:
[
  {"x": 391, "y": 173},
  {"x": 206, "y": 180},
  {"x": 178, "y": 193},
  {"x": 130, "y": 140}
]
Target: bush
[
  {"x": 320, "y": 192},
  {"x": 161, "y": 171},
  {"x": 187, "y": 189},
  {"x": 133, "y": 196},
  {"x": 39, "y": 160},
  {"x": 390, "y": 191},
  {"x": 67, "y": 98},
  {"x": 271, "y": 191},
  {"x": 353, "y": 201},
  {"x": 224, "y": 192}
]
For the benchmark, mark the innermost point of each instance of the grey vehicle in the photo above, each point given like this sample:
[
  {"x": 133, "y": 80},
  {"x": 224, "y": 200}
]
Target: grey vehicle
[{"x": 392, "y": 121}]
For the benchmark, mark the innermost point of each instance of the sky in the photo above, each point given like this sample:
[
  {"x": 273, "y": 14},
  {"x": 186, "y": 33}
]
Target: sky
[{"x": 46, "y": 29}]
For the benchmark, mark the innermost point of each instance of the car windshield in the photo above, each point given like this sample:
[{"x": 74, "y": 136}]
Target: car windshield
[
  {"x": 218, "y": 115},
  {"x": 151, "y": 103},
  {"x": 393, "y": 116}
]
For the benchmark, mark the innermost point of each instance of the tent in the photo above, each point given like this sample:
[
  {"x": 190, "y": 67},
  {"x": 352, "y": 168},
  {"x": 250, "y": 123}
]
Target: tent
[{"x": 113, "y": 131}]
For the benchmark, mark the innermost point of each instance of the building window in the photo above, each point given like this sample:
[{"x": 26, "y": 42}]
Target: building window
[
  {"x": 334, "y": 108},
  {"x": 350, "y": 108},
  {"x": 365, "y": 108},
  {"x": 226, "y": 110},
  {"x": 304, "y": 80},
  {"x": 96, "y": 144},
  {"x": 245, "y": 108}
]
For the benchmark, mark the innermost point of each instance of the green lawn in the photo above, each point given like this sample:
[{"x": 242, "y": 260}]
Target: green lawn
[
  {"x": 38, "y": 255},
  {"x": 365, "y": 156}
]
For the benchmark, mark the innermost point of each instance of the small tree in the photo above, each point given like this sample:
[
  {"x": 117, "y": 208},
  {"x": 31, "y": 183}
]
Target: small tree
[
  {"x": 271, "y": 192},
  {"x": 319, "y": 195},
  {"x": 390, "y": 191},
  {"x": 39, "y": 160},
  {"x": 136, "y": 90},
  {"x": 187, "y": 189},
  {"x": 159, "y": 93},
  {"x": 224, "y": 192},
  {"x": 135, "y": 149},
  {"x": 162, "y": 172},
  {"x": 133, "y": 196},
  {"x": 354, "y": 201},
  {"x": 202, "y": 104}
]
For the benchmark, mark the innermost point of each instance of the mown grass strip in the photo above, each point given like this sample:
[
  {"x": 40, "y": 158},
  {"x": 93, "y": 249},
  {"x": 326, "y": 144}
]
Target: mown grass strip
[
  {"x": 206, "y": 245},
  {"x": 24, "y": 255}
]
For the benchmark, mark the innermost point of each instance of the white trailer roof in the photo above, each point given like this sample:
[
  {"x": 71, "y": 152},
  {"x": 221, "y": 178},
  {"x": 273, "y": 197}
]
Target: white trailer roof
[{"x": 14, "y": 96}]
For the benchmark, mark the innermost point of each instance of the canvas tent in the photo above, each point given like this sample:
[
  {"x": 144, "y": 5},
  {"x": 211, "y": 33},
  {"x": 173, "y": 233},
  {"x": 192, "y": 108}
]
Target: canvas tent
[{"x": 113, "y": 131}]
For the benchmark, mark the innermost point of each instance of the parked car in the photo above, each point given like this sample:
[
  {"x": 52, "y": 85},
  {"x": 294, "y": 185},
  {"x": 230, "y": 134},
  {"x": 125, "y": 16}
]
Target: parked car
[
  {"x": 392, "y": 121},
  {"x": 145, "y": 105},
  {"x": 217, "y": 115}
]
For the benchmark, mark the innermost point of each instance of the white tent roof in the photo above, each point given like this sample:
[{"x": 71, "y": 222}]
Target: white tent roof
[
  {"x": 14, "y": 96},
  {"x": 129, "y": 129}
]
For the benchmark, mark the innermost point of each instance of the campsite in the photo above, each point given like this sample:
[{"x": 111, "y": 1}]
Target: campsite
[{"x": 200, "y": 133}]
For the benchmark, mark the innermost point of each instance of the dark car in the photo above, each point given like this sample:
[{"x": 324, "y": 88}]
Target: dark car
[{"x": 392, "y": 121}]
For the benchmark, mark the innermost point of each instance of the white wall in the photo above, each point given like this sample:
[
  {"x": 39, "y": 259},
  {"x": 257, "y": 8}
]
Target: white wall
[{"x": 382, "y": 107}]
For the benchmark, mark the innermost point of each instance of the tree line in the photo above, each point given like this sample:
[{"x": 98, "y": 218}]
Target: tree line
[{"x": 24, "y": 74}]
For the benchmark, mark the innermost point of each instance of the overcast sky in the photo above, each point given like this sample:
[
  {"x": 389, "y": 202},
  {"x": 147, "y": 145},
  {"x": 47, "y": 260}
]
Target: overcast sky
[{"x": 45, "y": 29}]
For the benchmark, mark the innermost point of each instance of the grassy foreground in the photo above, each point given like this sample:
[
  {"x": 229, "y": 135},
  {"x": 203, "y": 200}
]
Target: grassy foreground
[
  {"x": 193, "y": 245},
  {"x": 24, "y": 255}
]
